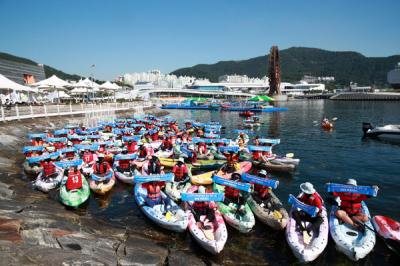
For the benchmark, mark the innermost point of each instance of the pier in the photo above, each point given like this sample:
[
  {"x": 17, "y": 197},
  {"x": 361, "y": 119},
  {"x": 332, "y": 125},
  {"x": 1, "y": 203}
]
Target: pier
[
  {"x": 366, "y": 96},
  {"x": 19, "y": 112}
]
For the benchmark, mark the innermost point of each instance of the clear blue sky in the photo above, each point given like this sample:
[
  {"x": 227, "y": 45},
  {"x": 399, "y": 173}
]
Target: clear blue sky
[{"x": 127, "y": 36}]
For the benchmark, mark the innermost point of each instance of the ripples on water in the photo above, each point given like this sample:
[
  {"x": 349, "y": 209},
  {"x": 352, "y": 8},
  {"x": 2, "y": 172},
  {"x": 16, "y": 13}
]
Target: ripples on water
[{"x": 326, "y": 156}]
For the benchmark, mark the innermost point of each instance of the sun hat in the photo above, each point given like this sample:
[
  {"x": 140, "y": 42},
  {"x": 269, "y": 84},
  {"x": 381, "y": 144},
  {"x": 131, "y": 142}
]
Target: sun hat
[
  {"x": 307, "y": 188},
  {"x": 351, "y": 182},
  {"x": 263, "y": 172},
  {"x": 181, "y": 160},
  {"x": 202, "y": 189}
]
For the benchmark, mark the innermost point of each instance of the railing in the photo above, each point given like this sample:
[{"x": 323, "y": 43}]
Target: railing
[{"x": 28, "y": 111}]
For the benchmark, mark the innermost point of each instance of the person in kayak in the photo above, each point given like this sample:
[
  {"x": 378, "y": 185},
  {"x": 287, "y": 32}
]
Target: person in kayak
[
  {"x": 167, "y": 143},
  {"x": 350, "y": 207},
  {"x": 131, "y": 146},
  {"x": 152, "y": 166},
  {"x": 149, "y": 150},
  {"x": 101, "y": 167},
  {"x": 126, "y": 165},
  {"x": 202, "y": 148},
  {"x": 232, "y": 162},
  {"x": 193, "y": 158},
  {"x": 262, "y": 193},
  {"x": 310, "y": 197},
  {"x": 49, "y": 168},
  {"x": 180, "y": 171},
  {"x": 37, "y": 141},
  {"x": 74, "y": 180},
  {"x": 204, "y": 208},
  {"x": 243, "y": 136},
  {"x": 88, "y": 157},
  {"x": 154, "y": 193},
  {"x": 235, "y": 196}
]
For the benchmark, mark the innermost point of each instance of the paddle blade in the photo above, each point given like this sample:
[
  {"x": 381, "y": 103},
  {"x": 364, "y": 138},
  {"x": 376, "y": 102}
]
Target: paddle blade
[
  {"x": 290, "y": 155},
  {"x": 168, "y": 216},
  {"x": 334, "y": 119}
]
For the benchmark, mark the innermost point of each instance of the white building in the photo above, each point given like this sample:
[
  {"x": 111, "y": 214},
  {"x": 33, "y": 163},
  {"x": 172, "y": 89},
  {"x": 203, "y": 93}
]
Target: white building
[
  {"x": 241, "y": 79},
  {"x": 157, "y": 79},
  {"x": 301, "y": 88}
]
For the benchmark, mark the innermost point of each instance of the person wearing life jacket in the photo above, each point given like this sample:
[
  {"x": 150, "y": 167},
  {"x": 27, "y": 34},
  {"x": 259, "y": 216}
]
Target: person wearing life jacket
[
  {"x": 232, "y": 160},
  {"x": 149, "y": 149},
  {"x": 58, "y": 145},
  {"x": 37, "y": 142},
  {"x": 101, "y": 167},
  {"x": 202, "y": 148},
  {"x": 235, "y": 196},
  {"x": 310, "y": 197},
  {"x": 141, "y": 151},
  {"x": 204, "y": 208},
  {"x": 154, "y": 136},
  {"x": 88, "y": 157},
  {"x": 151, "y": 166},
  {"x": 350, "y": 207},
  {"x": 126, "y": 165},
  {"x": 180, "y": 170},
  {"x": 193, "y": 158},
  {"x": 167, "y": 143},
  {"x": 74, "y": 180},
  {"x": 153, "y": 192},
  {"x": 49, "y": 169},
  {"x": 262, "y": 193},
  {"x": 200, "y": 133},
  {"x": 243, "y": 136},
  {"x": 70, "y": 154},
  {"x": 131, "y": 146}
]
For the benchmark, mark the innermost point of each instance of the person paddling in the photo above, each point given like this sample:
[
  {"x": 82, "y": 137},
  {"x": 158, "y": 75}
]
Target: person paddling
[
  {"x": 74, "y": 180},
  {"x": 101, "y": 167},
  {"x": 204, "y": 208},
  {"x": 235, "y": 196},
  {"x": 310, "y": 197},
  {"x": 262, "y": 193},
  {"x": 49, "y": 168},
  {"x": 350, "y": 207}
]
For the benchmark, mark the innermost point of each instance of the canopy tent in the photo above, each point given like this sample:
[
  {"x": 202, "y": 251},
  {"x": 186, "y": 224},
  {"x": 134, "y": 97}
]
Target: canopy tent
[
  {"x": 109, "y": 86},
  {"x": 8, "y": 84},
  {"x": 84, "y": 86},
  {"x": 79, "y": 90},
  {"x": 53, "y": 83},
  {"x": 261, "y": 98},
  {"x": 60, "y": 94}
]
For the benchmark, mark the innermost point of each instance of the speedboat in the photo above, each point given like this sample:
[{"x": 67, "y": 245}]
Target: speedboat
[{"x": 386, "y": 132}]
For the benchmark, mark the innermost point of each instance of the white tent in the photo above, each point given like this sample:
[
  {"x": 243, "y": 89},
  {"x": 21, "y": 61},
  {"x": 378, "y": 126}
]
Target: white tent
[
  {"x": 8, "y": 84},
  {"x": 109, "y": 86},
  {"x": 53, "y": 82},
  {"x": 79, "y": 90}
]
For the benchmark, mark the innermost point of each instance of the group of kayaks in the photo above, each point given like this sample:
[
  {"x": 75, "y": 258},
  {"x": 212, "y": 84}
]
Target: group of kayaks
[{"x": 148, "y": 134}]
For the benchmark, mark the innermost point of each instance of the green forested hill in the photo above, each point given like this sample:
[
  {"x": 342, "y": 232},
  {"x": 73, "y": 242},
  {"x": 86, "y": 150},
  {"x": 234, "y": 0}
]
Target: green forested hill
[{"x": 299, "y": 61}]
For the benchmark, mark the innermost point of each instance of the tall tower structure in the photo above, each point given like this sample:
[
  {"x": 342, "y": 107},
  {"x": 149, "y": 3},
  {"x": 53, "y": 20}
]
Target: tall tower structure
[{"x": 274, "y": 74}]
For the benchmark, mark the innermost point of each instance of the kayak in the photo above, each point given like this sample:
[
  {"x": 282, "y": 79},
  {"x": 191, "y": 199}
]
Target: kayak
[
  {"x": 275, "y": 167},
  {"x": 327, "y": 126},
  {"x": 389, "y": 230},
  {"x": 199, "y": 165},
  {"x": 274, "y": 215},
  {"x": 164, "y": 154},
  {"x": 352, "y": 242},
  {"x": 286, "y": 160},
  {"x": 307, "y": 252},
  {"x": 174, "y": 189},
  {"x": 76, "y": 197},
  {"x": 125, "y": 177},
  {"x": 33, "y": 170},
  {"x": 218, "y": 155},
  {"x": 241, "y": 222},
  {"x": 244, "y": 167},
  {"x": 213, "y": 239},
  {"x": 177, "y": 221},
  {"x": 47, "y": 184},
  {"x": 202, "y": 179},
  {"x": 102, "y": 187}
]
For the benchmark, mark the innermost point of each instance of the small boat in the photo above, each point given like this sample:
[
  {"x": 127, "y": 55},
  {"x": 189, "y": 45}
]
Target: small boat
[
  {"x": 350, "y": 241},
  {"x": 214, "y": 242},
  {"x": 242, "y": 222},
  {"x": 74, "y": 198},
  {"x": 178, "y": 221},
  {"x": 307, "y": 252},
  {"x": 389, "y": 230},
  {"x": 275, "y": 166},
  {"x": 267, "y": 214},
  {"x": 47, "y": 184},
  {"x": 246, "y": 113},
  {"x": 387, "y": 132}
]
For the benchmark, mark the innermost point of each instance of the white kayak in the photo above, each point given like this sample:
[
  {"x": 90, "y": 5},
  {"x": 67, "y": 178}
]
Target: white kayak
[
  {"x": 32, "y": 169},
  {"x": 307, "y": 252},
  {"x": 350, "y": 241},
  {"x": 178, "y": 220},
  {"x": 274, "y": 215},
  {"x": 47, "y": 184},
  {"x": 286, "y": 160},
  {"x": 125, "y": 177}
]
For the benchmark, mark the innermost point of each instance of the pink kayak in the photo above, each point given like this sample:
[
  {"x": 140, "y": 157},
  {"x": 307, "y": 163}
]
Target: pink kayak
[{"x": 244, "y": 167}]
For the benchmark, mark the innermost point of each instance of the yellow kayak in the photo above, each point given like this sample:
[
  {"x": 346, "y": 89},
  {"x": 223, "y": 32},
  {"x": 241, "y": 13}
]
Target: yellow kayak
[
  {"x": 200, "y": 165},
  {"x": 202, "y": 179}
]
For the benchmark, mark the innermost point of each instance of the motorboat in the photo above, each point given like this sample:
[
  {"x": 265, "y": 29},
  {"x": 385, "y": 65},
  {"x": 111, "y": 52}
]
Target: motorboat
[{"x": 386, "y": 132}]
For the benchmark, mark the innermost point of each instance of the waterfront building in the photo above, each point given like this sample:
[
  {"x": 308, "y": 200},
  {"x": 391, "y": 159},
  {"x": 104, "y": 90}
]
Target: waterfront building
[
  {"x": 22, "y": 73},
  {"x": 301, "y": 88},
  {"x": 393, "y": 77},
  {"x": 157, "y": 79}
]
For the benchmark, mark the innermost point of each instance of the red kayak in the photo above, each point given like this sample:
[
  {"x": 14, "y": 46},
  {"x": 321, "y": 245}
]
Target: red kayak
[
  {"x": 389, "y": 230},
  {"x": 246, "y": 113}
]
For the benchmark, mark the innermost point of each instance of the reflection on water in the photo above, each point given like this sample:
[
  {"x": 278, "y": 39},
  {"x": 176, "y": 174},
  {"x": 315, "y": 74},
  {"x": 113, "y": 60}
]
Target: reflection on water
[{"x": 326, "y": 156}]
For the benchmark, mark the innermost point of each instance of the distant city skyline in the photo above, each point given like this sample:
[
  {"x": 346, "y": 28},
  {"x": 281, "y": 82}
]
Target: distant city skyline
[{"x": 127, "y": 36}]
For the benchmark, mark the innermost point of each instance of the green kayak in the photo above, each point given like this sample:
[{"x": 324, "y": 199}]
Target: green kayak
[
  {"x": 243, "y": 222},
  {"x": 74, "y": 198}
]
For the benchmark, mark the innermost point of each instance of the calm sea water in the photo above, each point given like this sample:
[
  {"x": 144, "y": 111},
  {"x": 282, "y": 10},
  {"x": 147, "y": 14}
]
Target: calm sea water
[{"x": 326, "y": 156}]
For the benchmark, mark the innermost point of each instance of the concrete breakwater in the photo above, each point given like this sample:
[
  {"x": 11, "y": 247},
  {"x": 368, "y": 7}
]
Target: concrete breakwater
[
  {"x": 36, "y": 230},
  {"x": 366, "y": 97}
]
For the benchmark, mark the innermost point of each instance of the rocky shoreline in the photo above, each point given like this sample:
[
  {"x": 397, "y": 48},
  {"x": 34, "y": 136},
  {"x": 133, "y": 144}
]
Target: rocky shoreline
[{"x": 37, "y": 230}]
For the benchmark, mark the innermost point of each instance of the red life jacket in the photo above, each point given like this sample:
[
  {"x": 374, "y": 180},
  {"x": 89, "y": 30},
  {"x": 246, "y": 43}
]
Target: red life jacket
[
  {"x": 123, "y": 164},
  {"x": 179, "y": 172},
  {"x": 88, "y": 157},
  {"x": 131, "y": 147},
  {"x": 142, "y": 153},
  {"x": 263, "y": 191},
  {"x": 37, "y": 142},
  {"x": 74, "y": 180},
  {"x": 58, "y": 145},
  {"x": 232, "y": 158},
  {"x": 313, "y": 200},
  {"x": 48, "y": 168},
  {"x": 350, "y": 202},
  {"x": 76, "y": 141},
  {"x": 231, "y": 192},
  {"x": 70, "y": 154},
  {"x": 202, "y": 148},
  {"x": 257, "y": 155},
  {"x": 102, "y": 168},
  {"x": 154, "y": 137},
  {"x": 200, "y": 206},
  {"x": 102, "y": 149},
  {"x": 167, "y": 144},
  {"x": 153, "y": 190}
]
